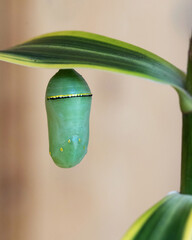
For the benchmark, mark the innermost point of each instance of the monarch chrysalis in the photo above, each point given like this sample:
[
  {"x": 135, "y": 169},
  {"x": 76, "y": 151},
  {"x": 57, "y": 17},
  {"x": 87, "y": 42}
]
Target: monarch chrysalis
[{"x": 68, "y": 103}]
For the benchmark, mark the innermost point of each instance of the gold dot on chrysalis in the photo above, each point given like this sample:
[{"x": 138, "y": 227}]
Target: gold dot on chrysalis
[
  {"x": 79, "y": 139},
  {"x": 69, "y": 141},
  {"x": 50, "y": 153},
  {"x": 61, "y": 149}
]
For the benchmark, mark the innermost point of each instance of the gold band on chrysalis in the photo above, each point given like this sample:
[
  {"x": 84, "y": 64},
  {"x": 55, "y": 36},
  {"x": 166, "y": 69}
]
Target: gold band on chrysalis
[{"x": 69, "y": 96}]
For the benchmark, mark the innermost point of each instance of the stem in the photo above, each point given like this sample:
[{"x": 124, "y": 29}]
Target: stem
[{"x": 186, "y": 165}]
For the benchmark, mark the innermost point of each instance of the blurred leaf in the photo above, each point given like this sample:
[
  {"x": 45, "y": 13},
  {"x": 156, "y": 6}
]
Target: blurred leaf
[
  {"x": 71, "y": 49},
  {"x": 169, "y": 219}
]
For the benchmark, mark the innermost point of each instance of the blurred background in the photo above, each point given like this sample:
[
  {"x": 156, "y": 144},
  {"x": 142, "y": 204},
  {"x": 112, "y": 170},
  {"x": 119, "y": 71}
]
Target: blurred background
[{"x": 133, "y": 158}]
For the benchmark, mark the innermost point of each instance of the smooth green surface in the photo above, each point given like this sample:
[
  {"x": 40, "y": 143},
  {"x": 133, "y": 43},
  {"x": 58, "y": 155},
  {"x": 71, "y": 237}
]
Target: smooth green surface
[
  {"x": 170, "y": 219},
  {"x": 68, "y": 118},
  {"x": 186, "y": 166},
  {"x": 71, "y": 49}
]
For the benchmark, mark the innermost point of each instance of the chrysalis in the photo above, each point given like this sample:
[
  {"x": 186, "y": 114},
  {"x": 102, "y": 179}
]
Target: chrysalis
[{"x": 68, "y": 103}]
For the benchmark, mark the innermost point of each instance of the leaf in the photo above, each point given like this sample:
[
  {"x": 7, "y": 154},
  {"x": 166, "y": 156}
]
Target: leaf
[
  {"x": 171, "y": 218},
  {"x": 70, "y": 49}
]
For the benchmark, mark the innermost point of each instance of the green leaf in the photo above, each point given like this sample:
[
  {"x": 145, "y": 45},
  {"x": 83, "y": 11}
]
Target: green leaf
[
  {"x": 70, "y": 49},
  {"x": 171, "y": 218}
]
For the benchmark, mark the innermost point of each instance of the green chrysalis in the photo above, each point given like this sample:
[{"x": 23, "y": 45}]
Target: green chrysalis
[{"x": 68, "y": 103}]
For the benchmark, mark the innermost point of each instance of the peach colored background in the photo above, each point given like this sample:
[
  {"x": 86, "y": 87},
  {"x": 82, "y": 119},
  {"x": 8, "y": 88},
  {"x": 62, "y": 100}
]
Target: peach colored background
[{"x": 134, "y": 152}]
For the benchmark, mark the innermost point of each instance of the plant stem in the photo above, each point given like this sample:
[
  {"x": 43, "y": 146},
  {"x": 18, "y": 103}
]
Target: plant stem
[{"x": 186, "y": 165}]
